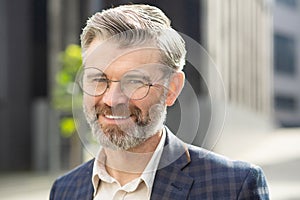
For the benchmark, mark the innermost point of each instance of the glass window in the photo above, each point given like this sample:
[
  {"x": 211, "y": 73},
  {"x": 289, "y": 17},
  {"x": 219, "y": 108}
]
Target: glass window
[
  {"x": 284, "y": 52},
  {"x": 287, "y": 103},
  {"x": 290, "y": 3}
]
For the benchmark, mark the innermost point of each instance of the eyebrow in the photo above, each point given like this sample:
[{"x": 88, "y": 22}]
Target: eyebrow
[{"x": 95, "y": 75}]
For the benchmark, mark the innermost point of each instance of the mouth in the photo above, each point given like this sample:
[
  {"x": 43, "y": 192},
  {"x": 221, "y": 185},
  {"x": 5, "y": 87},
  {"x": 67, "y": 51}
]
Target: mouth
[
  {"x": 116, "y": 117},
  {"x": 120, "y": 114}
]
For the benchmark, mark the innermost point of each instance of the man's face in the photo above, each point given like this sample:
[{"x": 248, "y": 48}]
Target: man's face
[{"x": 118, "y": 121}]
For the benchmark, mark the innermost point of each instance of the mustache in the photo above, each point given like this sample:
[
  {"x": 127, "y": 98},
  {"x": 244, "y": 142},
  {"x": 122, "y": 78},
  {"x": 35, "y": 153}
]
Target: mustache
[{"x": 121, "y": 110}]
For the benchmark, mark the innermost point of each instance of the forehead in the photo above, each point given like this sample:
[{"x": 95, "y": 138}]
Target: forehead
[{"x": 111, "y": 59}]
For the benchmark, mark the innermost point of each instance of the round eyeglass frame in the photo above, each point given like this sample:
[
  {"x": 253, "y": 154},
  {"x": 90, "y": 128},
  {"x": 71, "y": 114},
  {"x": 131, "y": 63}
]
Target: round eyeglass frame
[{"x": 108, "y": 82}]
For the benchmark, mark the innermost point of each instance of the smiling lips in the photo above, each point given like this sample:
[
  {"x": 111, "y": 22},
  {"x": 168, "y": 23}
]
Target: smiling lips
[
  {"x": 118, "y": 114},
  {"x": 116, "y": 117}
]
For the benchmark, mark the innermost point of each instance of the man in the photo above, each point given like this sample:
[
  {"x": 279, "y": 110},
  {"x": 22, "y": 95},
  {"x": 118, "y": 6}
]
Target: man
[{"x": 132, "y": 72}]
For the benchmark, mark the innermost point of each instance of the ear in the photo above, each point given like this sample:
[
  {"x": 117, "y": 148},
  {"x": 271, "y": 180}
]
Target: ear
[{"x": 175, "y": 86}]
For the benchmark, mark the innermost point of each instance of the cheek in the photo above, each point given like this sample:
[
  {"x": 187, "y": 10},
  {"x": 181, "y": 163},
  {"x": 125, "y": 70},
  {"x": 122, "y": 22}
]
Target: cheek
[
  {"x": 90, "y": 101},
  {"x": 155, "y": 96},
  {"x": 148, "y": 102}
]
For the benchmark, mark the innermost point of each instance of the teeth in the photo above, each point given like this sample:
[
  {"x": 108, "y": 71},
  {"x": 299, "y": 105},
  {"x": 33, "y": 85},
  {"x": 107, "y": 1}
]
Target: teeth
[{"x": 116, "y": 117}]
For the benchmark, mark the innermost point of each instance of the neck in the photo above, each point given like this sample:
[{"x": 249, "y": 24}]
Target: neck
[{"x": 128, "y": 165}]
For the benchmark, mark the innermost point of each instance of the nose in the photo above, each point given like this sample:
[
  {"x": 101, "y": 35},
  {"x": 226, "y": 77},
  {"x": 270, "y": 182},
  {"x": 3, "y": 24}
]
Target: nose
[{"x": 114, "y": 96}]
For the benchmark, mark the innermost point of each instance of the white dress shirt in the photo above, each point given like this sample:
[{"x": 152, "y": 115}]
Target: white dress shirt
[{"x": 107, "y": 187}]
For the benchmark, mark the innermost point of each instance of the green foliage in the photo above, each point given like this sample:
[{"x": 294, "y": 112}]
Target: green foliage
[
  {"x": 71, "y": 61},
  {"x": 67, "y": 127}
]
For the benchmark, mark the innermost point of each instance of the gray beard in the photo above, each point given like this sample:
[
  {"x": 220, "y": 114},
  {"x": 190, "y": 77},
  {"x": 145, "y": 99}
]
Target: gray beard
[{"x": 124, "y": 137}]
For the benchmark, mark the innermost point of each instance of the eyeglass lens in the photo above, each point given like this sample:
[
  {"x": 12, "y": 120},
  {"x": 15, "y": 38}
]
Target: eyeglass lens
[{"x": 134, "y": 84}]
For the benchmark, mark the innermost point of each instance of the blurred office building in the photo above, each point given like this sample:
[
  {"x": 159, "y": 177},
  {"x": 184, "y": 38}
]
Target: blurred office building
[
  {"x": 239, "y": 39},
  {"x": 287, "y": 62}
]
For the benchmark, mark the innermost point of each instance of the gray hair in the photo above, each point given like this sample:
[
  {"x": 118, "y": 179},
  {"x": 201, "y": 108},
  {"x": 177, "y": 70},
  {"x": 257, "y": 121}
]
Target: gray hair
[{"x": 133, "y": 25}]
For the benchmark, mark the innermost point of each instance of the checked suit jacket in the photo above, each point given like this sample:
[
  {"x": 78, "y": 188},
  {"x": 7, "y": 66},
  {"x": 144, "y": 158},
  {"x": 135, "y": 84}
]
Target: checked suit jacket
[{"x": 185, "y": 172}]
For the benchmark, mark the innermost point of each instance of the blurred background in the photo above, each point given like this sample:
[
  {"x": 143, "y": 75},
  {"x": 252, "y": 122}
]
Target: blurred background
[{"x": 255, "y": 44}]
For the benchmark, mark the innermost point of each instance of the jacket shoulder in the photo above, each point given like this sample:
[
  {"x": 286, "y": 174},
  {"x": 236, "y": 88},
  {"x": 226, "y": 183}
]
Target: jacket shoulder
[
  {"x": 73, "y": 183},
  {"x": 224, "y": 176},
  {"x": 202, "y": 156}
]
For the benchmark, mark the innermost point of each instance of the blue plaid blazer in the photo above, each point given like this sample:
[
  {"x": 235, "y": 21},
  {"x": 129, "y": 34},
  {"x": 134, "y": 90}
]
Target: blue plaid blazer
[{"x": 185, "y": 172}]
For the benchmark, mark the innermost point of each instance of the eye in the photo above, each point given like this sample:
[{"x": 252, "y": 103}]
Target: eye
[{"x": 135, "y": 81}]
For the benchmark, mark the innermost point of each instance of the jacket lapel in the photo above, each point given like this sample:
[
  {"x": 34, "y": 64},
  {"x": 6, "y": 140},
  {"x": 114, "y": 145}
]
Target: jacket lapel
[
  {"x": 171, "y": 181},
  {"x": 84, "y": 183}
]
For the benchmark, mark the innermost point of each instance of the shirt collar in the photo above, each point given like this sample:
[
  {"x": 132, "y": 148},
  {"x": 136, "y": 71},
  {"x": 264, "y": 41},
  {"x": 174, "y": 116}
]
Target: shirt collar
[
  {"x": 100, "y": 173},
  {"x": 149, "y": 173}
]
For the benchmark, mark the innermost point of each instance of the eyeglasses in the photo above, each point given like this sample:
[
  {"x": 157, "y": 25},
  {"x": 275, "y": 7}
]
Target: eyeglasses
[{"x": 134, "y": 84}]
